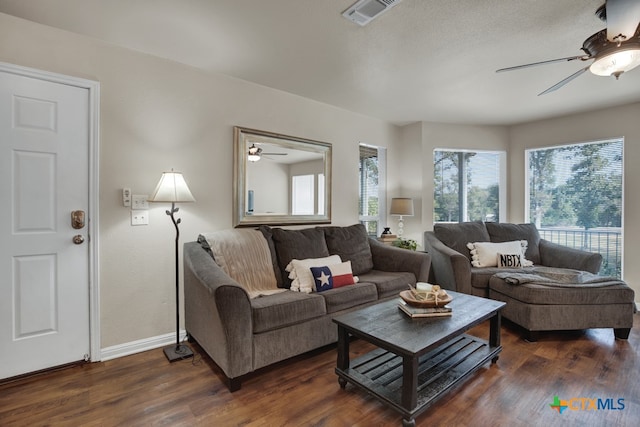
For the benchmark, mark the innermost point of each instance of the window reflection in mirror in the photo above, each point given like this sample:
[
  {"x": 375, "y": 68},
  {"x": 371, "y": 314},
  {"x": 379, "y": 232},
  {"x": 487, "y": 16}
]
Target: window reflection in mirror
[{"x": 280, "y": 179}]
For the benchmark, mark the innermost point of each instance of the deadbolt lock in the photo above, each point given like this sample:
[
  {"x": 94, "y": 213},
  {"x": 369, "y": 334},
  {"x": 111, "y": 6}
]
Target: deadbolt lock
[{"x": 77, "y": 219}]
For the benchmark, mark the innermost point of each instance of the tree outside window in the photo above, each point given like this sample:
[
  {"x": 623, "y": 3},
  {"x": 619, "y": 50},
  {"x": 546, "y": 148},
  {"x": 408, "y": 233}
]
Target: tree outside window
[
  {"x": 372, "y": 191},
  {"x": 467, "y": 185},
  {"x": 575, "y": 197}
]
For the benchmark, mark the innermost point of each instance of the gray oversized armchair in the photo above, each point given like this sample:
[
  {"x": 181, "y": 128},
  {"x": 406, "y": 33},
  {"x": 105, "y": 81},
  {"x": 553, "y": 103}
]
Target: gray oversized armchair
[{"x": 559, "y": 291}]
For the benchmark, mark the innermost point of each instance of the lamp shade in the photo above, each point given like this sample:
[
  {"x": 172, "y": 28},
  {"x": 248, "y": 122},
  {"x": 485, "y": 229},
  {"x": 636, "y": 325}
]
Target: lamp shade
[
  {"x": 402, "y": 206},
  {"x": 172, "y": 188}
]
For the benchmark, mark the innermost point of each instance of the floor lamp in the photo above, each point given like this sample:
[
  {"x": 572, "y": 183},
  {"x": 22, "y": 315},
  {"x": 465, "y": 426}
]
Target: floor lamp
[
  {"x": 173, "y": 189},
  {"x": 401, "y": 206}
]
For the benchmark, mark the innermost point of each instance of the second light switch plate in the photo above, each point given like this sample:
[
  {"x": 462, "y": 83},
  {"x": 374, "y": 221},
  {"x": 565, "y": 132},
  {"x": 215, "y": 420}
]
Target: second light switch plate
[{"x": 139, "y": 201}]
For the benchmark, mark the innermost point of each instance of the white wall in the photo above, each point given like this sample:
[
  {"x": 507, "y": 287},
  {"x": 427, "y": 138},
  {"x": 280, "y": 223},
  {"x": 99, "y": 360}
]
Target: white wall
[
  {"x": 408, "y": 170},
  {"x": 414, "y": 164},
  {"x": 598, "y": 125},
  {"x": 156, "y": 115},
  {"x": 270, "y": 184},
  {"x": 438, "y": 135}
]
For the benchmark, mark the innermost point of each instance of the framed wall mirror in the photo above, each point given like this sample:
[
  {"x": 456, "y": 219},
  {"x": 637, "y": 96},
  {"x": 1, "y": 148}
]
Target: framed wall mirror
[{"x": 280, "y": 179}]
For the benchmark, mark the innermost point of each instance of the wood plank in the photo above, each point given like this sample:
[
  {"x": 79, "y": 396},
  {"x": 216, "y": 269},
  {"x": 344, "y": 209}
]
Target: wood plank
[{"x": 144, "y": 389}]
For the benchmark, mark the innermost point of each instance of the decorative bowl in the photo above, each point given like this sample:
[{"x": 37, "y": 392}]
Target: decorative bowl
[{"x": 410, "y": 299}]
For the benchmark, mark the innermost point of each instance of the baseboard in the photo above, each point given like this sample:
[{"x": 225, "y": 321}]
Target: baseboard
[{"x": 138, "y": 346}]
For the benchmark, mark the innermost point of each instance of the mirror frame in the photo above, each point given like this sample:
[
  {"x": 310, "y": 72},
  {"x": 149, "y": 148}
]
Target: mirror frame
[{"x": 240, "y": 217}]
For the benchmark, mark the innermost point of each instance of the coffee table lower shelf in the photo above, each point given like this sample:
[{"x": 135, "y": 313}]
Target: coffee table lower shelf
[{"x": 380, "y": 372}]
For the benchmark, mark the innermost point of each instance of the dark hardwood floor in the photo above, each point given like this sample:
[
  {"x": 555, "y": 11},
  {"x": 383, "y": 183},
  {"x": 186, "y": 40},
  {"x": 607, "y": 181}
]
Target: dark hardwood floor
[{"x": 144, "y": 389}]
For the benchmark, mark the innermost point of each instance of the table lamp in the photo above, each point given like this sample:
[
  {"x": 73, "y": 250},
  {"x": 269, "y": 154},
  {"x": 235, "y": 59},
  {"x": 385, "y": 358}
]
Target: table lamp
[{"x": 401, "y": 206}]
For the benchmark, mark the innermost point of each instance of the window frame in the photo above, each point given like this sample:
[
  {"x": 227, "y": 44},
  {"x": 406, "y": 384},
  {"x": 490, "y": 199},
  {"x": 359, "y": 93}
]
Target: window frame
[
  {"x": 551, "y": 232},
  {"x": 502, "y": 182},
  {"x": 381, "y": 218}
]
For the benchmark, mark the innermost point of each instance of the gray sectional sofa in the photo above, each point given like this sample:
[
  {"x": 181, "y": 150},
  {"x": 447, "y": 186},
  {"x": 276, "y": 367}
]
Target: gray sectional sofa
[
  {"x": 559, "y": 291},
  {"x": 244, "y": 326}
]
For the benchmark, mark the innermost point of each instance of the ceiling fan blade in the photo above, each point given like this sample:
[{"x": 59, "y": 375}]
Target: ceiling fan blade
[
  {"x": 551, "y": 61},
  {"x": 623, "y": 17},
  {"x": 564, "y": 82},
  {"x": 276, "y": 154}
]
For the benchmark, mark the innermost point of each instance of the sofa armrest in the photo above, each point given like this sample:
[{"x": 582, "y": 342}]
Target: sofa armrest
[
  {"x": 217, "y": 312},
  {"x": 555, "y": 255},
  {"x": 389, "y": 258},
  {"x": 451, "y": 269}
]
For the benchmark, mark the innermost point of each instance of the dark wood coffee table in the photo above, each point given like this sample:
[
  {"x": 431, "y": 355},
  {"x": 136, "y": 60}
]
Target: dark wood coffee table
[{"x": 417, "y": 360}]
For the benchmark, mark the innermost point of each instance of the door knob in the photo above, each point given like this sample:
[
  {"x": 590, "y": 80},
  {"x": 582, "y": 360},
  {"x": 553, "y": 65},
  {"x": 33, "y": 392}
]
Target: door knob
[{"x": 78, "y": 239}]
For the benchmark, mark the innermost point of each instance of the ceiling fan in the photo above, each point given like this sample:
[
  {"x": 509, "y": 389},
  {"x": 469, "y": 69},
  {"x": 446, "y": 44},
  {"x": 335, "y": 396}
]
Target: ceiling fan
[
  {"x": 255, "y": 153},
  {"x": 615, "y": 50}
]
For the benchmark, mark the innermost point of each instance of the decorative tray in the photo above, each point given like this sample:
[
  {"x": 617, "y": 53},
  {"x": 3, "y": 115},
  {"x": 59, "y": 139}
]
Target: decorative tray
[{"x": 410, "y": 298}]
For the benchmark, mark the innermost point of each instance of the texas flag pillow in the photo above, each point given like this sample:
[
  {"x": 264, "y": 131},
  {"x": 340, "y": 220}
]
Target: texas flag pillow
[{"x": 333, "y": 276}]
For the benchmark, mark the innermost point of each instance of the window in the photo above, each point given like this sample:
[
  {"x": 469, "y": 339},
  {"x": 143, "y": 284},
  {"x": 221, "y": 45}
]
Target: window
[
  {"x": 468, "y": 186},
  {"x": 574, "y": 196},
  {"x": 303, "y": 194},
  {"x": 372, "y": 200}
]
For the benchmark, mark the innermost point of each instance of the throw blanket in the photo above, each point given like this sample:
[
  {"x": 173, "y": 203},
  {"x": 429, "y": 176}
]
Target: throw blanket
[
  {"x": 559, "y": 277},
  {"x": 244, "y": 255}
]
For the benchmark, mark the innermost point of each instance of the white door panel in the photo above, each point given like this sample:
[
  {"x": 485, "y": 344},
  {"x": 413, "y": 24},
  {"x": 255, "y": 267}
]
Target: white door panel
[{"x": 44, "y": 175}]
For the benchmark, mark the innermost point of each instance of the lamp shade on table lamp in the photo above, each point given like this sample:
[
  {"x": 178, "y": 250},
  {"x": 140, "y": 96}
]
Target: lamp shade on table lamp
[{"x": 401, "y": 206}]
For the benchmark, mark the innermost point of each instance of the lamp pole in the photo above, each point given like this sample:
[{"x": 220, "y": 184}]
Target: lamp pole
[{"x": 179, "y": 351}]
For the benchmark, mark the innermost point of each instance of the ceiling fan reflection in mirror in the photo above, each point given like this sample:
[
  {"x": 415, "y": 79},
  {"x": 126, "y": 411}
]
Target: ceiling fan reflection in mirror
[
  {"x": 255, "y": 153},
  {"x": 615, "y": 50}
]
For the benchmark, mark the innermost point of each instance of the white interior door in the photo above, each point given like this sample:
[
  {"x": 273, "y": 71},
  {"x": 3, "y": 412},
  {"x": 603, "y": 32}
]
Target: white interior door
[{"x": 44, "y": 176}]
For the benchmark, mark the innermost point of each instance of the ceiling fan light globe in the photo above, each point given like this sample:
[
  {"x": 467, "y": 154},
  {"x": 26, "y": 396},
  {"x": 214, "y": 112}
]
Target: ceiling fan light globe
[
  {"x": 253, "y": 157},
  {"x": 616, "y": 63}
]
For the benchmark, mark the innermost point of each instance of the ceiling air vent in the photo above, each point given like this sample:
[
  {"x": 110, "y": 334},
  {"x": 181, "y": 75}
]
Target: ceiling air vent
[{"x": 363, "y": 11}]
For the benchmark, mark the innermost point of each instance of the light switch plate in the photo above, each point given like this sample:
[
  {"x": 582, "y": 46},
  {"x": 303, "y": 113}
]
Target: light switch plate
[
  {"x": 140, "y": 201},
  {"x": 126, "y": 197},
  {"x": 139, "y": 217}
]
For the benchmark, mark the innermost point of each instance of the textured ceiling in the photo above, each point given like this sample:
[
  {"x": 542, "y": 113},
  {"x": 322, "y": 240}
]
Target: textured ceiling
[{"x": 423, "y": 60}]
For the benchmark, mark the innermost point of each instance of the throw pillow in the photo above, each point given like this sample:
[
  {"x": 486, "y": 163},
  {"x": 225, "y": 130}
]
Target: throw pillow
[
  {"x": 485, "y": 254},
  {"x": 509, "y": 260},
  {"x": 332, "y": 276},
  {"x": 300, "y": 271}
]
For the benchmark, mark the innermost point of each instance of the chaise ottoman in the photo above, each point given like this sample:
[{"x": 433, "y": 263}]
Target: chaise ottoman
[{"x": 565, "y": 300}]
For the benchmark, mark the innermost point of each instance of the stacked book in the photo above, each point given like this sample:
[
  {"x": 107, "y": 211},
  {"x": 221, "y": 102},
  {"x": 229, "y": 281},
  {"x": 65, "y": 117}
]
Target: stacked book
[
  {"x": 415, "y": 312},
  {"x": 388, "y": 239}
]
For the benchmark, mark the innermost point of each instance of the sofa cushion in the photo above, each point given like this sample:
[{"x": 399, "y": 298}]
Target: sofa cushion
[
  {"x": 283, "y": 309},
  {"x": 297, "y": 244},
  {"x": 611, "y": 292},
  {"x": 502, "y": 232},
  {"x": 456, "y": 236},
  {"x": 349, "y": 296},
  {"x": 480, "y": 276},
  {"x": 352, "y": 244},
  {"x": 389, "y": 283},
  {"x": 268, "y": 235}
]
